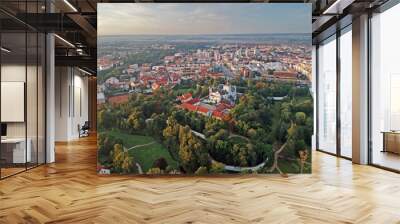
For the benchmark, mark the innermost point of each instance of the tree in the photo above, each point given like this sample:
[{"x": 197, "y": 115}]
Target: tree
[
  {"x": 186, "y": 149},
  {"x": 252, "y": 133},
  {"x": 242, "y": 127},
  {"x": 103, "y": 151},
  {"x": 136, "y": 120},
  {"x": 160, "y": 163},
  {"x": 127, "y": 164},
  {"x": 192, "y": 153},
  {"x": 106, "y": 119},
  {"x": 154, "y": 171},
  {"x": 213, "y": 125},
  {"x": 260, "y": 85},
  {"x": 170, "y": 134},
  {"x": 204, "y": 91},
  {"x": 300, "y": 118},
  {"x": 217, "y": 167},
  {"x": 156, "y": 124},
  {"x": 118, "y": 157},
  {"x": 122, "y": 161},
  {"x": 106, "y": 146},
  {"x": 263, "y": 152},
  {"x": 240, "y": 152}
]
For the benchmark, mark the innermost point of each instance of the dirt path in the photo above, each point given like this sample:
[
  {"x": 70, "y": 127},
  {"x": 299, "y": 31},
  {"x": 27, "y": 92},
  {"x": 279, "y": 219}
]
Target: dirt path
[{"x": 276, "y": 156}]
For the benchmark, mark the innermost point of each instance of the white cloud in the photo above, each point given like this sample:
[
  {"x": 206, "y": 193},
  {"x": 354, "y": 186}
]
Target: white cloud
[{"x": 156, "y": 18}]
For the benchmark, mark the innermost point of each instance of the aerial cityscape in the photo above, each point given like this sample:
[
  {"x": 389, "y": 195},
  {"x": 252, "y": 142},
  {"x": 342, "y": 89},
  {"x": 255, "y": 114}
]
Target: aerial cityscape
[{"x": 204, "y": 103}]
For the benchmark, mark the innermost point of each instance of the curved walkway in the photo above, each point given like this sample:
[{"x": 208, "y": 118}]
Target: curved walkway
[
  {"x": 239, "y": 136},
  {"x": 233, "y": 168},
  {"x": 242, "y": 169},
  {"x": 138, "y": 146}
]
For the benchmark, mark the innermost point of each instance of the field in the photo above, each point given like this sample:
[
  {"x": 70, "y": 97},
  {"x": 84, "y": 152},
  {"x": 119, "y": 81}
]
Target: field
[{"x": 144, "y": 149}]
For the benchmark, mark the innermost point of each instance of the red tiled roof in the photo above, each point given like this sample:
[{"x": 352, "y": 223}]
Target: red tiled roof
[
  {"x": 288, "y": 75},
  {"x": 217, "y": 114},
  {"x": 223, "y": 106},
  {"x": 185, "y": 96},
  {"x": 216, "y": 74},
  {"x": 193, "y": 101},
  {"x": 188, "y": 106},
  {"x": 202, "y": 109},
  {"x": 192, "y": 107}
]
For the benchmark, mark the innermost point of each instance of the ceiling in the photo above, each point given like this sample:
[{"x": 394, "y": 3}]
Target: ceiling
[{"x": 75, "y": 21}]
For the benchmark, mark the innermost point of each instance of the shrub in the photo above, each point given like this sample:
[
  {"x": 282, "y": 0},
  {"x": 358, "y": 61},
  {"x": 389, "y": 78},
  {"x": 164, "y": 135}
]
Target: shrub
[
  {"x": 201, "y": 170},
  {"x": 160, "y": 163}
]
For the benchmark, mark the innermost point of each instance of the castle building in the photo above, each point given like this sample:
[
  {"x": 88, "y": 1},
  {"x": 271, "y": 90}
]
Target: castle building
[{"x": 223, "y": 92}]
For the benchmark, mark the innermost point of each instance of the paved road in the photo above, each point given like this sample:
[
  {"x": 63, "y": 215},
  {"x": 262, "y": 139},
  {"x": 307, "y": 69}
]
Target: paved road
[
  {"x": 198, "y": 134},
  {"x": 241, "y": 169}
]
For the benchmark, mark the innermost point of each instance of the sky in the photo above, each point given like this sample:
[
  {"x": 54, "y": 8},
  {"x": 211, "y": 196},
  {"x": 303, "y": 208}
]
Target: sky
[{"x": 201, "y": 18}]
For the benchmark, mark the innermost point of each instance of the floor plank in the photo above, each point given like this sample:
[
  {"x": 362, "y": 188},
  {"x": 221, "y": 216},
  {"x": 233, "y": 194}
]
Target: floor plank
[{"x": 69, "y": 191}]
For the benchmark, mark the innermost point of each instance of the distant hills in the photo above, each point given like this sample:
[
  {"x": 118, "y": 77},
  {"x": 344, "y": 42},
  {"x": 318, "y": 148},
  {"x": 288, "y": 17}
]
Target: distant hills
[{"x": 212, "y": 38}]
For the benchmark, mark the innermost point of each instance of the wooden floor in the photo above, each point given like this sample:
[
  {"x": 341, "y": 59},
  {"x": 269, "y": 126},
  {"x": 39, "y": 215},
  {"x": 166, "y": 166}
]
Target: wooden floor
[
  {"x": 386, "y": 159},
  {"x": 69, "y": 191},
  {"x": 5, "y": 172}
]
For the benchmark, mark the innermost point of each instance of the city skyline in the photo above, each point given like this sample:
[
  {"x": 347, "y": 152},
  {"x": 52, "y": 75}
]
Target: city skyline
[{"x": 202, "y": 19}]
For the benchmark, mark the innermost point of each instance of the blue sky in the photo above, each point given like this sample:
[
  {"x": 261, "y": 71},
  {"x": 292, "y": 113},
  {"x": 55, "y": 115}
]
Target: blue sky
[{"x": 201, "y": 18}]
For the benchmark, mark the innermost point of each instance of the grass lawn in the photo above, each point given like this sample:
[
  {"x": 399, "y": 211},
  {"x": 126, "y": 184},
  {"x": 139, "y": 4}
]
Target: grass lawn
[
  {"x": 144, "y": 155},
  {"x": 180, "y": 90},
  {"x": 131, "y": 140}
]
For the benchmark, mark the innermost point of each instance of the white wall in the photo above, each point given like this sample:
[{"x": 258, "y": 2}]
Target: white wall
[
  {"x": 71, "y": 102},
  {"x": 33, "y": 126},
  {"x": 62, "y": 82},
  {"x": 12, "y": 73}
]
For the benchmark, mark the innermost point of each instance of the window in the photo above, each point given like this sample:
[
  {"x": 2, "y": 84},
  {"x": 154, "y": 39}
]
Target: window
[
  {"x": 346, "y": 92},
  {"x": 385, "y": 89},
  {"x": 327, "y": 95},
  {"x": 22, "y": 77}
]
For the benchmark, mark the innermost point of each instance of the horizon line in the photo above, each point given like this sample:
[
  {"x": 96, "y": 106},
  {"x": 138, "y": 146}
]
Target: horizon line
[{"x": 209, "y": 34}]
